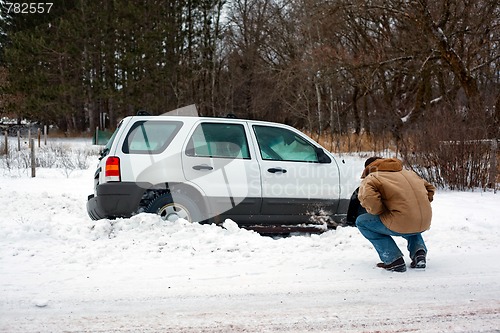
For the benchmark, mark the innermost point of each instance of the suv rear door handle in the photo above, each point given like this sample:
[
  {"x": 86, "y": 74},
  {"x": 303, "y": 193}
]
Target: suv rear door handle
[
  {"x": 203, "y": 167},
  {"x": 276, "y": 170}
]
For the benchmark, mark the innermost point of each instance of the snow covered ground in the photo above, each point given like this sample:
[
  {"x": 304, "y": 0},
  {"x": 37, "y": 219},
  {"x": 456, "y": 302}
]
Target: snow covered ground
[{"x": 62, "y": 272}]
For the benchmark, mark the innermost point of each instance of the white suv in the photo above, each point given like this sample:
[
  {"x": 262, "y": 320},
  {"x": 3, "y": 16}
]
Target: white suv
[{"x": 208, "y": 169}]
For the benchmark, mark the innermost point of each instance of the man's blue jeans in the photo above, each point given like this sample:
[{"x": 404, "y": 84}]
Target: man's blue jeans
[{"x": 379, "y": 235}]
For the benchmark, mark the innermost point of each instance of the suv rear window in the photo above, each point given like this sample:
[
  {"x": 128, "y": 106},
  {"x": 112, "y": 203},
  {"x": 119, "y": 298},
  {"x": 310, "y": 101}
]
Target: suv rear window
[
  {"x": 107, "y": 147},
  {"x": 150, "y": 137}
]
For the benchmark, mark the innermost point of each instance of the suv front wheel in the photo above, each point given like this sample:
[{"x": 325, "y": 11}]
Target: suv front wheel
[{"x": 171, "y": 210}]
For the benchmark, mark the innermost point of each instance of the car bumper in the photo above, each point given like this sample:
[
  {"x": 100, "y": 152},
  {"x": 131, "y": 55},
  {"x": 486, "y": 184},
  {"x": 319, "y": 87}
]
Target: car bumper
[{"x": 119, "y": 199}]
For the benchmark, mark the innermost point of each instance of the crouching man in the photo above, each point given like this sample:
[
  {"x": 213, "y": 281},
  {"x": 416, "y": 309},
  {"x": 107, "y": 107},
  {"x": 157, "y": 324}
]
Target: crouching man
[{"x": 397, "y": 202}]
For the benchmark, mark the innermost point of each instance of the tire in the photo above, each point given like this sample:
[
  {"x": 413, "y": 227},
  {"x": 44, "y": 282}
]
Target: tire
[{"x": 183, "y": 207}]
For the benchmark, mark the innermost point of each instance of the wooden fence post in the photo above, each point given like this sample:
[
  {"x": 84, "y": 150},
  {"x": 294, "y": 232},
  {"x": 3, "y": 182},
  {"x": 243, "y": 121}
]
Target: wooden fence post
[
  {"x": 493, "y": 165},
  {"x": 6, "y": 144},
  {"x": 45, "y": 134},
  {"x": 18, "y": 140},
  {"x": 33, "y": 161},
  {"x": 39, "y": 136}
]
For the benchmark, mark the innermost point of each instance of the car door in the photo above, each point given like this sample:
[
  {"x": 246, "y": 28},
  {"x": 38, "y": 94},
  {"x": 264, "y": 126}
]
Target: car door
[
  {"x": 298, "y": 177},
  {"x": 218, "y": 158}
]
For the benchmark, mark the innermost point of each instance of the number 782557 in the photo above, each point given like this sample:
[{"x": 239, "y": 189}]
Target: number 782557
[{"x": 28, "y": 7}]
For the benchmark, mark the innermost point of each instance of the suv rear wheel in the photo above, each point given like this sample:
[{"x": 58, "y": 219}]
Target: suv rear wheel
[{"x": 170, "y": 210}]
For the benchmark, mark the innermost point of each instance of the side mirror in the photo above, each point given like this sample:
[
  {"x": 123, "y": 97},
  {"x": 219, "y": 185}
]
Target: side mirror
[{"x": 322, "y": 156}]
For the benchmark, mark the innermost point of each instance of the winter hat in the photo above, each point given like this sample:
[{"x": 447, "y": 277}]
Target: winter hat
[
  {"x": 371, "y": 160},
  {"x": 367, "y": 169}
]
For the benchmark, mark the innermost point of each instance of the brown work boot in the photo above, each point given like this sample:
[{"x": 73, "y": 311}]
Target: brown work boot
[{"x": 397, "y": 265}]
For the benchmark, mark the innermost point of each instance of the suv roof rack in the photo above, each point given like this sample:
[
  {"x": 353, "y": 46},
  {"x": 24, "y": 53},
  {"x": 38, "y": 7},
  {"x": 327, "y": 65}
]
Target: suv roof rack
[{"x": 143, "y": 113}]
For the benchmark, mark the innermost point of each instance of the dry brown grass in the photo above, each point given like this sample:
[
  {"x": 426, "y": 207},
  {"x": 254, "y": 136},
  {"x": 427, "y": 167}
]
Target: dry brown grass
[
  {"x": 354, "y": 143},
  {"x": 462, "y": 169}
]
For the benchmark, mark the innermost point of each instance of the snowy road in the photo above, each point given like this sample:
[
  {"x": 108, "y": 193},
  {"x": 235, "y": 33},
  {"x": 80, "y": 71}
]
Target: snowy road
[{"x": 342, "y": 308}]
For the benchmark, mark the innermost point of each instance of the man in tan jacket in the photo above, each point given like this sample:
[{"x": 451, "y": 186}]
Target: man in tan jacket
[{"x": 397, "y": 202}]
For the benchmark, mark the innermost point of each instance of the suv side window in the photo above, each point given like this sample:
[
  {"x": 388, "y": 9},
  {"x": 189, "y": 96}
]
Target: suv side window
[
  {"x": 218, "y": 140},
  {"x": 150, "y": 137},
  {"x": 276, "y": 143}
]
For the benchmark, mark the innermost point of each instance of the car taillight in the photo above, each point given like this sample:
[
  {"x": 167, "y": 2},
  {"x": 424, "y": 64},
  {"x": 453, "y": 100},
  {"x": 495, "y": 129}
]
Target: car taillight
[{"x": 112, "y": 171}]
